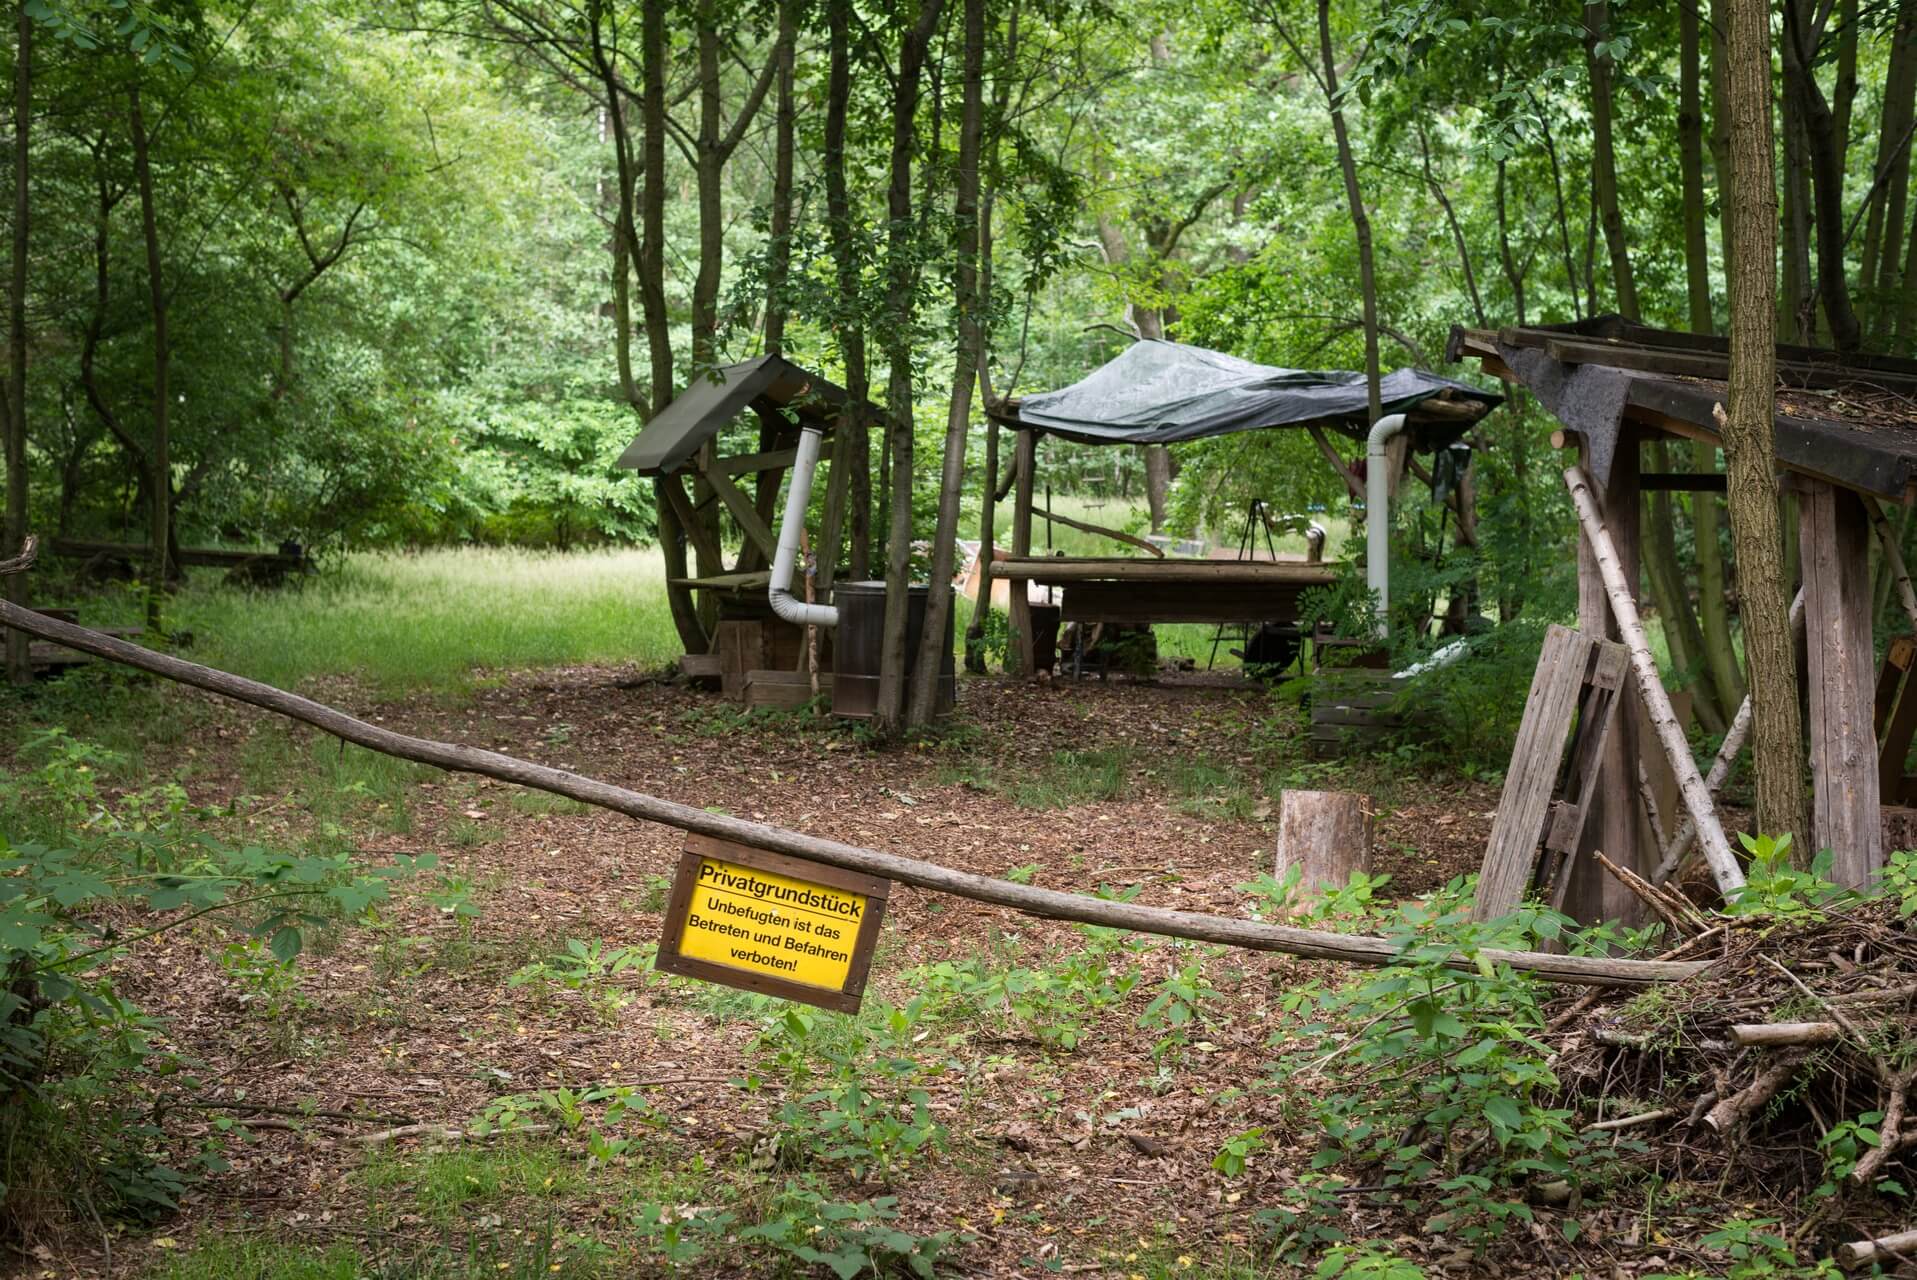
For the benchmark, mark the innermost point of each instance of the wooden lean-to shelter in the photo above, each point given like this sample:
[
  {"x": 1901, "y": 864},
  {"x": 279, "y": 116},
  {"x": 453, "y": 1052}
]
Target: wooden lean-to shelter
[
  {"x": 1158, "y": 392},
  {"x": 753, "y": 655},
  {"x": 1846, "y": 441}
]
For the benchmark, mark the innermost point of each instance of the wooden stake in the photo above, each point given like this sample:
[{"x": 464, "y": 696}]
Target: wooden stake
[
  {"x": 1657, "y": 703},
  {"x": 1046, "y": 903}
]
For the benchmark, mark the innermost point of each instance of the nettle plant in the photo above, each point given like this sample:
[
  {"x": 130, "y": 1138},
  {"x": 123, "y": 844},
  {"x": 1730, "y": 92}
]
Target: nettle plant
[
  {"x": 1429, "y": 1081},
  {"x": 81, "y": 1078}
]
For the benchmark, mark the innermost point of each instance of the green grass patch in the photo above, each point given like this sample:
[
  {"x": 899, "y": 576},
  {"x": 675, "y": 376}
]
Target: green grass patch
[
  {"x": 229, "y": 1257},
  {"x": 441, "y": 1184},
  {"x": 435, "y": 619}
]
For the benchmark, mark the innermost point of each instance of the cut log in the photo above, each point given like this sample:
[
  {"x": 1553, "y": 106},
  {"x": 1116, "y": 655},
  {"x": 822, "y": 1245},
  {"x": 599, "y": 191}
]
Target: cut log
[
  {"x": 1657, "y": 704},
  {"x": 1892, "y": 1248},
  {"x": 1326, "y": 835}
]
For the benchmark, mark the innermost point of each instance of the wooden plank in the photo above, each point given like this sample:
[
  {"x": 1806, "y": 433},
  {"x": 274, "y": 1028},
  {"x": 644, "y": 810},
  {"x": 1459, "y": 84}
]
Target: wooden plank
[
  {"x": 1682, "y": 481},
  {"x": 1510, "y": 856},
  {"x": 1899, "y": 656},
  {"x": 741, "y": 464},
  {"x": 1023, "y": 651},
  {"x": 704, "y": 665},
  {"x": 1834, "y": 534},
  {"x": 750, "y": 522},
  {"x": 1065, "y": 570},
  {"x": 1612, "y": 823}
]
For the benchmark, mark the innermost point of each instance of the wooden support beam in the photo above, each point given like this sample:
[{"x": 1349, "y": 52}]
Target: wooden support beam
[
  {"x": 1834, "y": 532},
  {"x": 1030, "y": 899},
  {"x": 673, "y": 486},
  {"x": 747, "y": 463},
  {"x": 742, "y": 511},
  {"x": 1100, "y": 531},
  {"x": 1682, "y": 481},
  {"x": 1347, "y": 473},
  {"x": 1023, "y": 649},
  {"x": 1612, "y": 821},
  {"x": 1657, "y": 703}
]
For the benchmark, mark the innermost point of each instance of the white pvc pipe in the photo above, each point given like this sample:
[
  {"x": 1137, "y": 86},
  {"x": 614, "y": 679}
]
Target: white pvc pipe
[
  {"x": 779, "y": 590},
  {"x": 1378, "y": 513}
]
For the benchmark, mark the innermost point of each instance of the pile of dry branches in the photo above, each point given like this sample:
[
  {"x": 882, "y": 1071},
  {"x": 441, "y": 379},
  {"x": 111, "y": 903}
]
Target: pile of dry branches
[{"x": 1786, "y": 1068}]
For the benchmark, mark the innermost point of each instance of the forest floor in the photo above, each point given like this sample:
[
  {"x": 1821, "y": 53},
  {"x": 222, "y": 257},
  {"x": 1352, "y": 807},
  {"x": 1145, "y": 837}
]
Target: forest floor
[{"x": 1063, "y": 1119}]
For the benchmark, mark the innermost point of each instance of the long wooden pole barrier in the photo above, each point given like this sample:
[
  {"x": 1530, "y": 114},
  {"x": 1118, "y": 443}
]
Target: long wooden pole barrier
[
  {"x": 1720, "y": 767},
  {"x": 1049, "y": 903},
  {"x": 1657, "y": 703}
]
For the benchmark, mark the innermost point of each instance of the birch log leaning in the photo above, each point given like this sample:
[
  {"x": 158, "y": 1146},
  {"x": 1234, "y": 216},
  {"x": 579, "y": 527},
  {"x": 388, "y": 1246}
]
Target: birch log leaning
[
  {"x": 1047, "y": 903},
  {"x": 1657, "y": 703},
  {"x": 1893, "y": 556},
  {"x": 1720, "y": 767}
]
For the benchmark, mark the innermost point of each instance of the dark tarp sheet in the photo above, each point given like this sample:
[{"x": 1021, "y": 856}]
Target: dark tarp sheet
[{"x": 1163, "y": 392}]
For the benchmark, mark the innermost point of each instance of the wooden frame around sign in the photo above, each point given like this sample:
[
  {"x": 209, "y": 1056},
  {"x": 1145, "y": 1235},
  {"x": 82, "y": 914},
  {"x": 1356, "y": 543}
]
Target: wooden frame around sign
[{"x": 846, "y": 1000}]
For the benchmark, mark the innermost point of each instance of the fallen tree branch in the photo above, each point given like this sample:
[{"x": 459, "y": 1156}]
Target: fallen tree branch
[
  {"x": 1631, "y": 1122},
  {"x": 1858, "y": 1252},
  {"x": 1030, "y": 899},
  {"x": 1657, "y": 703},
  {"x": 1680, "y": 915},
  {"x": 1732, "y": 1111},
  {"x": 446, "y": 1133},
  {"x": 1779, "y": 1033},
  {"x": 1893, "y": 556}
]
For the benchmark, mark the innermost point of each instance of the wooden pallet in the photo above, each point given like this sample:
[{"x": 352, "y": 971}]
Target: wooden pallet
[{"x": 1547, "y": 788}]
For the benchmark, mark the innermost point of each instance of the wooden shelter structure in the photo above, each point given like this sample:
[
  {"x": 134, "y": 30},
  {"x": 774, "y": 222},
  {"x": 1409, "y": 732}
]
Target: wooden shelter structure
[
  {"x": 1162, "y": 393},
  {"x": 1846, "y": 441},
  {"x": 679, "y": 449}
]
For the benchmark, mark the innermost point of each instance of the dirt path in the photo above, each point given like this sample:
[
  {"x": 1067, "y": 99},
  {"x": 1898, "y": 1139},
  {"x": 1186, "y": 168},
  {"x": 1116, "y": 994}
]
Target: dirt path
[{"x": 1083, "y": 1154}]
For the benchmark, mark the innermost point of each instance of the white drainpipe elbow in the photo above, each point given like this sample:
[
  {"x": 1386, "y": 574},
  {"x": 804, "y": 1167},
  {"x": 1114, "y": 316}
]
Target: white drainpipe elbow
[
  {"x": 1378, "y": 514},
  {"x": 779, "y": 590}
]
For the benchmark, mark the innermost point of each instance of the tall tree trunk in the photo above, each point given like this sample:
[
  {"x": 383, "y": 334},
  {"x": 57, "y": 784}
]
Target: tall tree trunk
[
  {"x": 1597, "y": 34},
  {"x": 779, "y": 260},
  {"x": 1360, "y": 220},
  {"x": 1824, "y": 150},
  {"x": 1777, "y": 735},
  {"x": 988, "y": 487},
  {"x": 923, "y": 697},
  {"x": 1884, "y": 220},
  {"x": 901, "y": 279},
  {"x": 159, "y": 457},
  {"x": 650, "y": 259},
  {"x": 852, "y": 447},
  {"x": 1796, "y": 310},
  {"x": 1720, "y": 655},
  {"x": 19, "y": 667}
]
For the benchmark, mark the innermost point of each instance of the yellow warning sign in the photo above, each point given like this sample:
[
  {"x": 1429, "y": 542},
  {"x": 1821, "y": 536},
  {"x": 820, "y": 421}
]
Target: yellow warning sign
[{"x": 771, "y": 923}]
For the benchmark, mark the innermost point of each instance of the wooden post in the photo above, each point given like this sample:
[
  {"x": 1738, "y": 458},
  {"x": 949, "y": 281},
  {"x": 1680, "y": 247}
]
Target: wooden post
[
  {"x": 1023, "y": 651},
  {"x": 1612, "y": 822},
  {"x": 1326, "y": 835},
  {"x": 1834, "y": 533}
]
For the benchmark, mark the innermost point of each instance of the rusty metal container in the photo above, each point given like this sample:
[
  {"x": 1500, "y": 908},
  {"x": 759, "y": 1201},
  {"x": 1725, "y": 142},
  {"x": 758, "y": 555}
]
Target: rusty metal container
[{"x": 860, "y": 641}]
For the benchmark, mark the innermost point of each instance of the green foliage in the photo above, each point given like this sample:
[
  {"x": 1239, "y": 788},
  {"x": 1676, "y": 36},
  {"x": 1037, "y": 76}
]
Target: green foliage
[
  {"x": 80, "y": 1061},
  {"x": 588, "y": 967},
  {"x": 1780, "y": 892},
  {"x": 849, "y": 1239}
]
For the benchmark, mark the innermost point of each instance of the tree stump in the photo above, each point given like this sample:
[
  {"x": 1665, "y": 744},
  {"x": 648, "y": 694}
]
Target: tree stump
[{"x": 1326, "y": 835}]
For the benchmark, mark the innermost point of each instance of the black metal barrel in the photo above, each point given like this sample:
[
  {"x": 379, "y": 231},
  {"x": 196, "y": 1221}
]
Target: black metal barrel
[{"x": 860, "y": 642}]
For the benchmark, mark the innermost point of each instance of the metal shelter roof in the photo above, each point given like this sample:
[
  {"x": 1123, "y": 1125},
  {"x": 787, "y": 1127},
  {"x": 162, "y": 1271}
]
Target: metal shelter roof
[
  {"x": 1157, "y": 392},
  {"x": 765, "y": 383}
]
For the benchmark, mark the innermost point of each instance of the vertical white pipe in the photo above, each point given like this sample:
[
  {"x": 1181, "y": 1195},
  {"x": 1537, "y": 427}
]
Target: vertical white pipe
[
  {"x": 1378, "y": 514},
  {"x": 779, "y": 590}
]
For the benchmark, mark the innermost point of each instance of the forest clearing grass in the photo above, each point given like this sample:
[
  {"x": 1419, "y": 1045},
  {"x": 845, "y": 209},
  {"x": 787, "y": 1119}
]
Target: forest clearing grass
[{"x": 434, "y": 619}]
